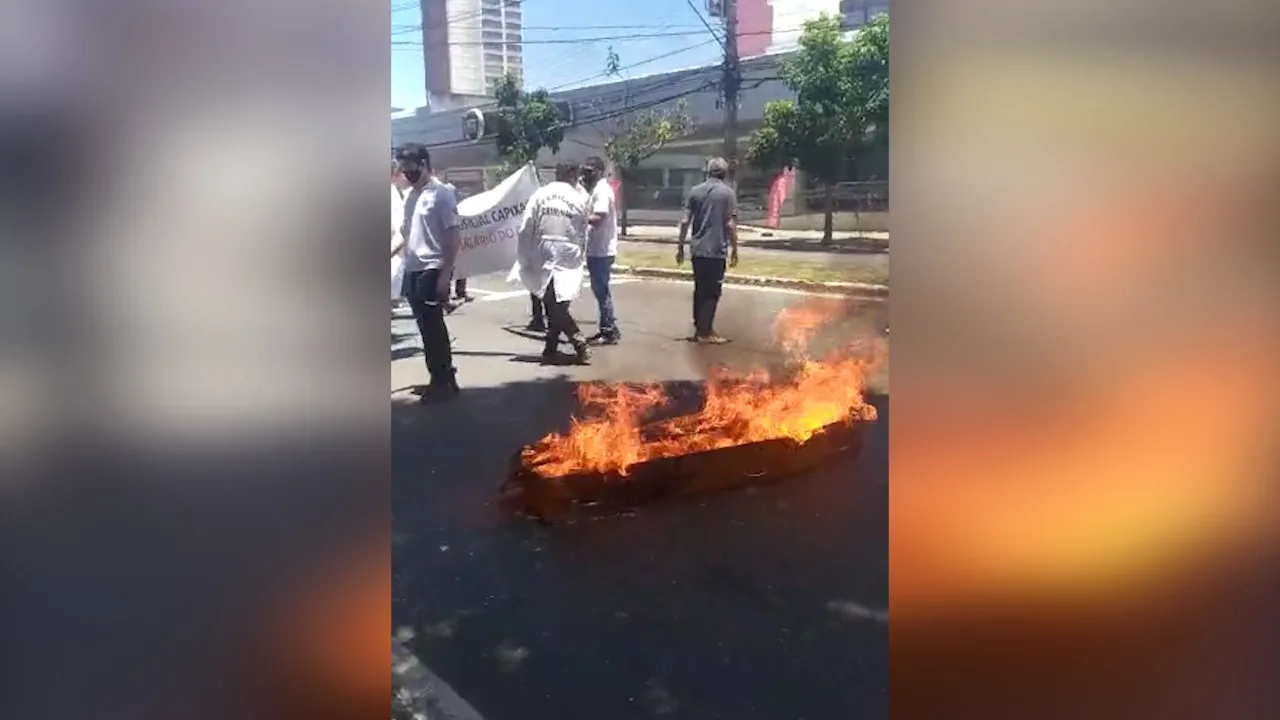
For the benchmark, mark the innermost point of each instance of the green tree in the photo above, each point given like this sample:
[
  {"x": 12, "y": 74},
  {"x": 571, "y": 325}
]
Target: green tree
[
  {"x": 527, "y": 122},
  {"x": 841, "y": 106},
  {"x": 641, "y": 135},
  {"x": 637, "y": 135}
]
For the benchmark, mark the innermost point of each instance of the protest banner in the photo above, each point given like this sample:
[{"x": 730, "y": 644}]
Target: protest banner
[{"x": 491, "y": 225}]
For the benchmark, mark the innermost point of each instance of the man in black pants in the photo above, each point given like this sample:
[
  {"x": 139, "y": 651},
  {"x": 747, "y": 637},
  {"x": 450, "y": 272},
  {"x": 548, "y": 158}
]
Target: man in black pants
[
  {"x": 552, "y": 257},
  {"x": 537, "y": 315},
  {"x": 431, "y": 248},
  {"x": 711, "y": 212}
]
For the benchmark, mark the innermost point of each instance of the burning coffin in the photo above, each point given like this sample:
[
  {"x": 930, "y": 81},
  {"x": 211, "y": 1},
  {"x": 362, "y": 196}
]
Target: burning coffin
[
  {"x": 532, "y": 490},
  {"x": 628, "y": 446}
]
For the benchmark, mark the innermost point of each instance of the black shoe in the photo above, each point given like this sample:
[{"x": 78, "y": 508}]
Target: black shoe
[
  {"x": 604, "y": 339},
  {"x": 536, "y": 325},
  {"x": 581, "y": 351},
  {"x": 550, "y": 357},
  {"x": 438, "y": 393},
  {"x": 440, "y": 390}
]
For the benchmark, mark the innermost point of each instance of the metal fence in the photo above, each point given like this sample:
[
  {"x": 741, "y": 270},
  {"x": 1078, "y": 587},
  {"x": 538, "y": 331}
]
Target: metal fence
[{"x": 647, "y": 203}]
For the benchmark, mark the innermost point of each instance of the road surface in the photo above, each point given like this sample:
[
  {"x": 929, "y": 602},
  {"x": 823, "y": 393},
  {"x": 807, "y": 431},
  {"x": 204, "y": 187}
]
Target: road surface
[{"x": 760, "y": 605}]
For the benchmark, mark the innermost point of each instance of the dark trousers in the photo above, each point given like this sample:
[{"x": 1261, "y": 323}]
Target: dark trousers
[
  {"x": 559, "y": 321},
  {"x": 708, "y": 280},
  {"x": 428, "y": 311},
  {"x": 600, "y": 270},
  {"x": 537, "y": 311},
  {"x": 460, "y": 288}
]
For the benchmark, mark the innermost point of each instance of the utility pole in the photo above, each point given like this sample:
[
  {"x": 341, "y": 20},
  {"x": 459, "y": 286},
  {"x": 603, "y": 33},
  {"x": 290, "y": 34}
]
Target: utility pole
[{"x": 730, "y": 83}]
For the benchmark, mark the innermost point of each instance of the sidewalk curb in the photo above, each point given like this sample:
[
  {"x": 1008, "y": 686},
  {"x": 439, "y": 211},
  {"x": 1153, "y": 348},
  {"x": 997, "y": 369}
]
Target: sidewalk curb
[
  {"x": 841, "y": 288},
  {"x": 428, "y": 696},
  {"x": 753, "y": 243}
]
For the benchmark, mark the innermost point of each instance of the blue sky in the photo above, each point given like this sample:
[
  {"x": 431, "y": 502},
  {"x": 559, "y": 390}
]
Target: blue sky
[{"x": 675, "y": 24}]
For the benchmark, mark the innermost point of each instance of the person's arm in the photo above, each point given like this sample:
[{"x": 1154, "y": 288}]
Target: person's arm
[
  {"x": 528, "y": 226},
  {"x": 684, "y": 228},
  {"x": 446, "y": 203},
  {"x": 599, "y": 206},
  {"x": 731, "y": 229}
]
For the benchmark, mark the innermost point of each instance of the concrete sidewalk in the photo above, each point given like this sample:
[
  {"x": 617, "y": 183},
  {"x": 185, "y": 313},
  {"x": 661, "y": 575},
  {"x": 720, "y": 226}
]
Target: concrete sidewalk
[{"x": 790, "y": 240}]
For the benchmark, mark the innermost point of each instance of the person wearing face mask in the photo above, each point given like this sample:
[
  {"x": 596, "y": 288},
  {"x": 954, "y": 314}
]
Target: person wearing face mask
[
  {"x": 602, "y": 246},
  {"x": 552, "y": 244},
  {"x": 430, "y": 246}
]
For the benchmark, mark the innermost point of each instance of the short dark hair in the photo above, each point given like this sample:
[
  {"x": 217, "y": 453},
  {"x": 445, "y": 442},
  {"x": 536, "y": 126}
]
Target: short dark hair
[
  {"x": 595, "y": 163},
  {"x": 566, "y": 171},
  {"x": 413, "y": 152}
]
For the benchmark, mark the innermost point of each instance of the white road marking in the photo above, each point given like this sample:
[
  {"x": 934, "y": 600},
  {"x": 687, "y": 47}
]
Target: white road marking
[
  {"x": 422, "y": 690},
  {"x": 496, "y": 295}
]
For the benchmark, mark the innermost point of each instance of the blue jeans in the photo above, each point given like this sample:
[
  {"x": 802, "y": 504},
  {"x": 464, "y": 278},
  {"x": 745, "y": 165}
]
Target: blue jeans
[{"x": 600, "y": 269}]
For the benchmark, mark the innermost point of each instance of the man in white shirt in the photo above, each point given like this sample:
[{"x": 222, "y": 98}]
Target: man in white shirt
[
  {"x": 431, "y": 232},
  {"x": 602, "y": 246},
  {"x": 551, "y": 256}
]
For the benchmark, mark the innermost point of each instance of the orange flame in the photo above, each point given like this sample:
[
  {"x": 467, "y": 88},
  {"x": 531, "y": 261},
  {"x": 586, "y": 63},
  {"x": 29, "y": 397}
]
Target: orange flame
[{"x": 620, "y": 425}]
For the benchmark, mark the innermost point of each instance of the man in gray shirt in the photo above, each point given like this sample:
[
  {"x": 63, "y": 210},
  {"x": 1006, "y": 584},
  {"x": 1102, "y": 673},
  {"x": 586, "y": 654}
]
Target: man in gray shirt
[
  {"x": 711, "y": 212},
  {"x": 430, "y": 248}
]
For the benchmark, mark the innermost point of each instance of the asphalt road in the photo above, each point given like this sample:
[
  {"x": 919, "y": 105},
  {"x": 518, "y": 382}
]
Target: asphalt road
[{"x": 756, "y": 605}]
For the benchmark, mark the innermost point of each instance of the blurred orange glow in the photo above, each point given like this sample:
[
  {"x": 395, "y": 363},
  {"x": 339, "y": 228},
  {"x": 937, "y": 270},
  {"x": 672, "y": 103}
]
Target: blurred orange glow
[
  {"x": 1152, "y": 449},
  {"x": 335, "y": 632}
]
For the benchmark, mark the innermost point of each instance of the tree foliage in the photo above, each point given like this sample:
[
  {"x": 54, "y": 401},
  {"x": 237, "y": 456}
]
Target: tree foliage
[
  {"x": 527, "y": 122},
  {"x": 640, "y": 135},
  {"x": 841, "y": 103}
]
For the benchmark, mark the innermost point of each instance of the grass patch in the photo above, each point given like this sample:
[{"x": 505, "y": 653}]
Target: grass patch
[{"x": 811, "y": 269}]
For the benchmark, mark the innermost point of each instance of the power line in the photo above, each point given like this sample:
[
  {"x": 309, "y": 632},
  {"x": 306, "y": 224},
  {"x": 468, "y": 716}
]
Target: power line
[
  {"x": 411, "y": 29},
  {"x": 655, "y": 58},
  {"x": 573, "y": 41},
  {"x": 590, "y": 120},
  {"x": 705, "y": 24}
]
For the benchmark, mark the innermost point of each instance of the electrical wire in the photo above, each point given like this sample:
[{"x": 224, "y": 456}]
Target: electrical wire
[
  {"x": 574, "y": 41},
  {"x": 631, "y": 66},
  {"x": 705, "y": 24},
  {"x": 601, "y": 117}
]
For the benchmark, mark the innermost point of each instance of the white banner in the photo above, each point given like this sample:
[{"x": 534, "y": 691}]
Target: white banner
[{"x": 491, "y": 225}]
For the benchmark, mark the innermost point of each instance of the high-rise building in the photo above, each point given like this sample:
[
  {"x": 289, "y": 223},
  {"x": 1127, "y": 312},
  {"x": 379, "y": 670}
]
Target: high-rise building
[
  {"x": 775, "y": 25},
  {"x": 467, "y": 46}
]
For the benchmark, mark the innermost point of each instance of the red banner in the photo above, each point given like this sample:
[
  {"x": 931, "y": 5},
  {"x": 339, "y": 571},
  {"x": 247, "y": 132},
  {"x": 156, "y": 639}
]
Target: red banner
[{"x": 779, "y": 189}]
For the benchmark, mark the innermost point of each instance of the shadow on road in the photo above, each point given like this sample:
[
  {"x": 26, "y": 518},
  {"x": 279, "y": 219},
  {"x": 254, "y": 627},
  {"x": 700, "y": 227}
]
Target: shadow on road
[{"x": 718, "y": 607}]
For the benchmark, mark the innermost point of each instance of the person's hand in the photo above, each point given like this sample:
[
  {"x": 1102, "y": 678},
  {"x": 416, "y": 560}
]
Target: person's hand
[
  {"x": 442, "y": 287},
  {"x": 733, "y": 257},
  {"x": 680, "y": 255}
]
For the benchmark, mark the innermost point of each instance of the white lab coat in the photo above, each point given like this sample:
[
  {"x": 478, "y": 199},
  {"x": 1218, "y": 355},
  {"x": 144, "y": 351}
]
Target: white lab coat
[
  {"x": 552, "y": 244},
  {"x": 397, "y": 215}
]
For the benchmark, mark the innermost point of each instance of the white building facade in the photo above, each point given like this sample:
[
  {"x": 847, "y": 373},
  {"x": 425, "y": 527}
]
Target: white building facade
[{"x": 467, "y": 46}]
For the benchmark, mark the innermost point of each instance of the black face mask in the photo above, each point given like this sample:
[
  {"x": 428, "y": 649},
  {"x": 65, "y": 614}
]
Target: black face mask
[
  {"x": 589, "y": 178},
  {"x": 413, "y": 176}
]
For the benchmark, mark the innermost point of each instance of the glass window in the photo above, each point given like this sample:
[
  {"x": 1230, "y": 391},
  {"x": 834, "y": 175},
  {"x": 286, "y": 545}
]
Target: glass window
[{"x": 684, "y": 178}]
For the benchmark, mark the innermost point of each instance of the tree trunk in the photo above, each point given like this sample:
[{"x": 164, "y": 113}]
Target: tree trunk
[{"x": 828, "y": 212}]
